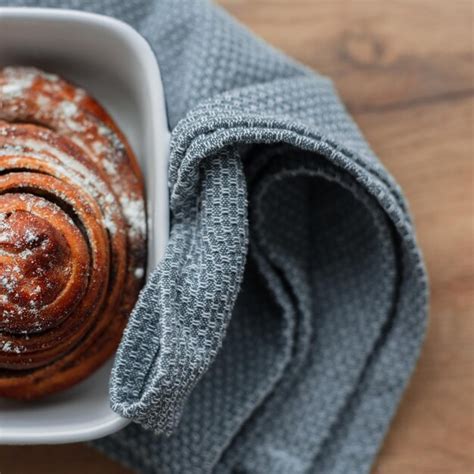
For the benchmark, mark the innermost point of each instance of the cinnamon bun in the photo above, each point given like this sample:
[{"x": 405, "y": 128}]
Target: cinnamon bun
[{"x": 72, "y": 233}]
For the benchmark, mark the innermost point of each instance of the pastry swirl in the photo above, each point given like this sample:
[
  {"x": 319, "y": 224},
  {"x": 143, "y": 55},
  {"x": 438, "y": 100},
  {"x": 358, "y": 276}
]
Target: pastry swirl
[{"x": 72, "y": 234}]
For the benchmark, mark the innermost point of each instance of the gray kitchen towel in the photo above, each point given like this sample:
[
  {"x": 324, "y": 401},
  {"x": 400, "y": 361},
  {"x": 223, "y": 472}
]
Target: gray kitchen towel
[{"x": 279, "y": 331}]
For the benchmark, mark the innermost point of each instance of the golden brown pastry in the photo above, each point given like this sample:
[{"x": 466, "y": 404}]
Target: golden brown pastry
[{"x": 72, "y": 233}]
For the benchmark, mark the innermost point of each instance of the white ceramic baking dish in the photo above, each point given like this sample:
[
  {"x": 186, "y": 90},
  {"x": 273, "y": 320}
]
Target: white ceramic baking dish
[{"x": 115, "y": 64}]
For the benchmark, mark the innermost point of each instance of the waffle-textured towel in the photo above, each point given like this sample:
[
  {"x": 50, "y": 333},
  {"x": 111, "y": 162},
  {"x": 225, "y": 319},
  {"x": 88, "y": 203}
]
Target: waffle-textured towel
[{"x": 279, "y": 331}]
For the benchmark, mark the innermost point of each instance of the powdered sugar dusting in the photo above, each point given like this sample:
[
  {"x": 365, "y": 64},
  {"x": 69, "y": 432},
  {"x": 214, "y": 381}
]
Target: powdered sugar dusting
[
  {"x": 68, "y": 109},
  {"x": 8, "y": 346},
  {"x": 17, "y": 81},
  {"x": 139, "y": 273},
  {"x": 134, "y": 211}
]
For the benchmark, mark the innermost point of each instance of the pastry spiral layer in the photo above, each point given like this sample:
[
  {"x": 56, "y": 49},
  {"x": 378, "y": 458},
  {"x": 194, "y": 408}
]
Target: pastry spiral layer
[{"x": 72, "y": 234}]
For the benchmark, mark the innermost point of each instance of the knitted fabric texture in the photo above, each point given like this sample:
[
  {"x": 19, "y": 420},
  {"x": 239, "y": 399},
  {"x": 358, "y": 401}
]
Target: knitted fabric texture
[{"x": 280, "y": 329}]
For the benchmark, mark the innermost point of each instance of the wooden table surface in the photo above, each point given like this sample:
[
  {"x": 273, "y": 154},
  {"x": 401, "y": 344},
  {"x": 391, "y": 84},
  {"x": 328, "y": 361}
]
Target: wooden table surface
[{"x": 405, "y": 71}]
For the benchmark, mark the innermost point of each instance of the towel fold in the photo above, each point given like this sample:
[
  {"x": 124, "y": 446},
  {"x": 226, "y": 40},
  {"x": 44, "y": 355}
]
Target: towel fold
[{"x": 281, "y": 327}]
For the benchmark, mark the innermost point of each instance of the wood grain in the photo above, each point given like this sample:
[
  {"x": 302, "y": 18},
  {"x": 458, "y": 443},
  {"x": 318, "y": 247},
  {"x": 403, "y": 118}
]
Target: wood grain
[{"x": 405, "y": 71}]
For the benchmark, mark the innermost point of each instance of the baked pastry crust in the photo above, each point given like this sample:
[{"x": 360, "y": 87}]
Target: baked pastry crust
[{"x": 72, "y": 233}]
